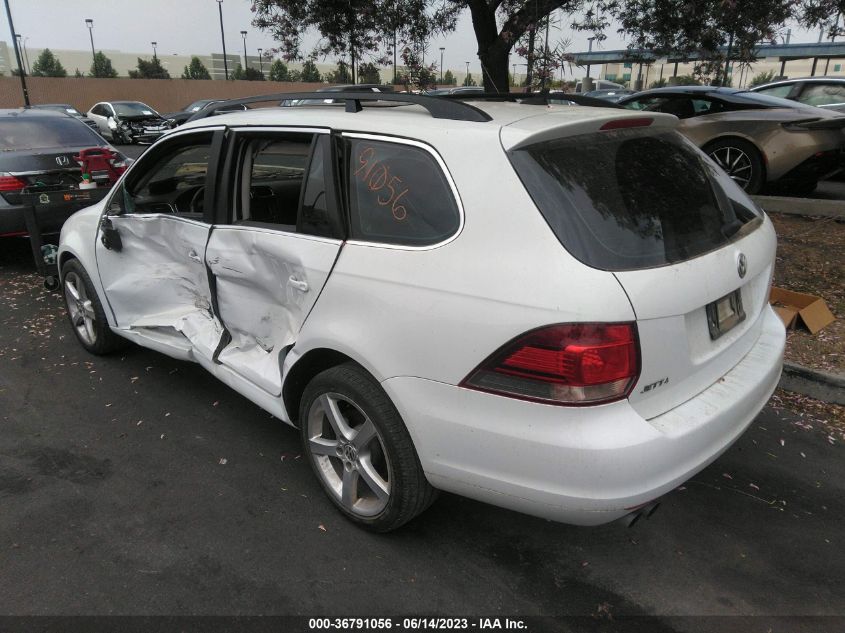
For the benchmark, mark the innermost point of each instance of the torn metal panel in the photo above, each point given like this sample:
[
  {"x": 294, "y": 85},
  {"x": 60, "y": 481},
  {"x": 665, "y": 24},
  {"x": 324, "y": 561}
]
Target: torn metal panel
[{"x": 267, "y": 282}]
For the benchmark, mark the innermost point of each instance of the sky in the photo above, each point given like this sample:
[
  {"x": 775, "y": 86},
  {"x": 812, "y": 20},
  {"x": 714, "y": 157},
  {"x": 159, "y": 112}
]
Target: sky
[{"x": 193, "y": 27}]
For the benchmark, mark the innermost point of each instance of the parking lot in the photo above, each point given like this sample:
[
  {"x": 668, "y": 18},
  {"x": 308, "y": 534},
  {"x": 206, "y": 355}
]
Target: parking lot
[{"x": 136, "y": 484}]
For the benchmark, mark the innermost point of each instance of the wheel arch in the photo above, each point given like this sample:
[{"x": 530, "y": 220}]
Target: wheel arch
[{"x": 303, "y": 371}]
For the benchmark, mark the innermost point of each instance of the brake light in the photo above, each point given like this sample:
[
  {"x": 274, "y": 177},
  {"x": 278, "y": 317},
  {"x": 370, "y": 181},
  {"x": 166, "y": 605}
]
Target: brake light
[
  {"x": 567, "y": 364},
  {"x": 620, "y": 124},
  {"x": 11, "y": 183}
]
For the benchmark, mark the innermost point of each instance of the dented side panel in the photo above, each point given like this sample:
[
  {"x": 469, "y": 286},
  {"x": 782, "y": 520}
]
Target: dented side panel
[{"x": 267, "y": 282}]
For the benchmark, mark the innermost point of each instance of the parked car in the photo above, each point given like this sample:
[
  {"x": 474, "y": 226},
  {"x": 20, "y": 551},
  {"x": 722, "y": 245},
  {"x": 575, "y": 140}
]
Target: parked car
[
  {"x": 756, "y": 138},
  {"x": 37, "y": 155},
  {"x": 457, "y": 90},
  {"x": 822, "y": 92},
  {"x": 600, "y": 84},
  {"x": 500, "y": 300},
  {"x": 127, "y": 122},
  {"x": 181, "y": 117},
  {"x": 613, "y": 95},
  {"x": 67, "y": 109}
]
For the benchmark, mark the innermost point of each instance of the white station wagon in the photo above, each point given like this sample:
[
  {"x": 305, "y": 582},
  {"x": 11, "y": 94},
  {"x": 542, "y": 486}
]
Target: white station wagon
[{"x": 560, "y": 310}]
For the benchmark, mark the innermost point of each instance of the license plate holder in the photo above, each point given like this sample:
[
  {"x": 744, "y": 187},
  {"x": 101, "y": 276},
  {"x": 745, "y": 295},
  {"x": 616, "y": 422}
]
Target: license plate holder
[{"x": 725, "y": 314}]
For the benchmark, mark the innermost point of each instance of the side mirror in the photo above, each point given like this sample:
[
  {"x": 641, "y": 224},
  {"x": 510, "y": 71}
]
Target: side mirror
[{"x": 109, "y": 236}]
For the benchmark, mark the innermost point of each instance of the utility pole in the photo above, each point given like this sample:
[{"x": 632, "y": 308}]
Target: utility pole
[
  {"x": 243, "y": 35},
  {"x": 155, "y": 57},
  {"x": 223, "y": 38},
  {"x": 90, "y": 24},
  {"x": 442, "y": 48},
  {"x": 17, "y": 55},
  {"x": 260, "y": 61}
]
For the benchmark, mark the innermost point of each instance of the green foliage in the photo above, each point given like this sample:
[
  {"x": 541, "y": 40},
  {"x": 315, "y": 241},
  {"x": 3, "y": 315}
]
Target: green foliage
[
  {"x": 149, "y": 70},
  {"x": 250, "y": 74},
  {"x": 339, "y": 76},
  {"x": 449, "y": 78},
  {"x": 47, "y": 65},
  {"x": 369, "y": 74},
  {"x": 279, "y": 71},
  {"x": 294, "y": 75},
  {"x": 469, "y": 81},
  {"x": 686, "y": 80},
  {"x": 78, "y": 74},
  {"x": 762, "y": 78},
  {"x": 310, "y": 73},
  {"x": 660, "y": 83},
  {"x": 101, "y": 67},
  {"x": 196, "y": 70}
]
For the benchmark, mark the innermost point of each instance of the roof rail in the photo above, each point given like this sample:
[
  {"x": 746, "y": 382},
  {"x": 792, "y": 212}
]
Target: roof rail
[
  {"x": 535, "y": 98},
  {"x": 437, "y": 107}
]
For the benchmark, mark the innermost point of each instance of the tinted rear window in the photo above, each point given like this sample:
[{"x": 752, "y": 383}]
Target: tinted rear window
[
  {"x": 22, "y": 133},
  {"x": 632, "y": 199}
]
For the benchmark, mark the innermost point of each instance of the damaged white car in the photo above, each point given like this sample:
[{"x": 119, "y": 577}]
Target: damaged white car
[{"x": 560, "y": 310}]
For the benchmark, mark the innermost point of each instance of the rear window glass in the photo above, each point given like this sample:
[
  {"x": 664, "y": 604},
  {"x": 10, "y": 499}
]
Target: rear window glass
[
  {"x": 630, "y": 199},
  {"x": 22, "y": 133},
  {"x": 398, "y": 195}
]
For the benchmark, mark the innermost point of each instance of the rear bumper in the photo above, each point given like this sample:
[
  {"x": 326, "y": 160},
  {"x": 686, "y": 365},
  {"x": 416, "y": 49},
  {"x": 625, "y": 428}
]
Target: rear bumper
[{"x": 587, "y": 465}]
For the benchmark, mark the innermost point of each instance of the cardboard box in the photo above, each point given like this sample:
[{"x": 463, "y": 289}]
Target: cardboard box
[{"x": 795, "y": 308}]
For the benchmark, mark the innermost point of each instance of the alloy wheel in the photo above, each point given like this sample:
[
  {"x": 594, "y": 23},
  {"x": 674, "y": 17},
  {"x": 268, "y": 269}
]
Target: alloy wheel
[
  {"x": 736, "y": 163},
  {"x": 349, "y": 454},
  {"x": 81, "y": 309}
]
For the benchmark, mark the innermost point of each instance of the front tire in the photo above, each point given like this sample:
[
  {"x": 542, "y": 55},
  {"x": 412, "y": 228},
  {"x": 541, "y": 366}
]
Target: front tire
[
  {"x": 740, "y": 160},
  {"x": 360, "y": 450},
  {"x": 85, "y": 312}
]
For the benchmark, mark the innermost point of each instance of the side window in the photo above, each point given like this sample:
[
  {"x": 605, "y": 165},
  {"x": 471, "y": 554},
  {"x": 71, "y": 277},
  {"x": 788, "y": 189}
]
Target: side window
[
  {"x": 172, "y": 181},
  {"x": 398, "y": 194},
  {"x": 822, "y": 94},
  {"x": 274, "y": 170},
  {"x": 98, "y": 110},
  {"x": 777, "y": 91},
  {"x": 707, "y": 106}
]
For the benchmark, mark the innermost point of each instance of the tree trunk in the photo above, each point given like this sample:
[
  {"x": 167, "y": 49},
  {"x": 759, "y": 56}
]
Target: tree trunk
[
  {"x": 494, "y": 67},
  {"x": 529, "y": 70}
]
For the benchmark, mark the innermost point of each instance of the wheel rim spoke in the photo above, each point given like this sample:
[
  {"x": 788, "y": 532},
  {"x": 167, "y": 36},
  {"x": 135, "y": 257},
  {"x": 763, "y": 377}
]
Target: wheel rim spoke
[
  {"x": 373, "y": 480},
  {"x": 71, "y": 289},
  {"x": 348, "y": 491},
  {"x": 335, "y": 417},
  {"x": 364, "y": 435},
  {"x": 323, "y": 446}
]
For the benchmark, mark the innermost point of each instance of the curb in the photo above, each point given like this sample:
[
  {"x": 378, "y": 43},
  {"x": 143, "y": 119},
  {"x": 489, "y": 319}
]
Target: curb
[
  {"x": 821, "y": 385},
  {"x": 802, "y": 206}
]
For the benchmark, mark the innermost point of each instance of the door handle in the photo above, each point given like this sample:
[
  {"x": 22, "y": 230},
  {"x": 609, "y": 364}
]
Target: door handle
[
  {"x": 193, "y": 255},
  {"x": 298, "y": 284}
]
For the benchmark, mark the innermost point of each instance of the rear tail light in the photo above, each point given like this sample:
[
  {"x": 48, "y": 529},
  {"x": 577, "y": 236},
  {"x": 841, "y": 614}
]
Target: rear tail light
[
  {"x": 567, "y": 364},
  {"x": 11, "y": 183}
]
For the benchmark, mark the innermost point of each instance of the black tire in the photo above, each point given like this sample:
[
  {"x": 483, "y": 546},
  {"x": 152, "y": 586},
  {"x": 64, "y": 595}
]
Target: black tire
[
  {"x": 725, "y": 151},
  {"x": 96, "y": 337},
  {"x": 357, "y": 398}
]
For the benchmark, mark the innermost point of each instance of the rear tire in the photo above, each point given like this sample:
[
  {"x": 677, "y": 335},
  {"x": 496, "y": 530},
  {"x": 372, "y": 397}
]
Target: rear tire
[
  {"x": 85, "y": 312},
  {"x": 360, "y": 450},
  {"x": 740, "y": 160}
]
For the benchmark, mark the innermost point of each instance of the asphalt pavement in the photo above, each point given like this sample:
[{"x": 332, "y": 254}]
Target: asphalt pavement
[{"x": 137, "y": 484}]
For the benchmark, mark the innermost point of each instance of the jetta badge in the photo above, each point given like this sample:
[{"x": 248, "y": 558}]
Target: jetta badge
[
  {"x": 742, "y": 265},
  {"x": 62, "y": 161}
]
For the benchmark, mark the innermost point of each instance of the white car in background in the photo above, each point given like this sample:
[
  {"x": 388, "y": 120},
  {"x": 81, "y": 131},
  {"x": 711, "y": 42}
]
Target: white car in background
[{"x": 500, "y": 300}]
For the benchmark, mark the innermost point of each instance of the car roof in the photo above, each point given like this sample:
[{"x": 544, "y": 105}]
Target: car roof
[
  {"x": 522, "y": 120},
  {"x": 30, "y": 112},
  {"x": 831, "y": 80},
  {"x": 717, "y": 90}
]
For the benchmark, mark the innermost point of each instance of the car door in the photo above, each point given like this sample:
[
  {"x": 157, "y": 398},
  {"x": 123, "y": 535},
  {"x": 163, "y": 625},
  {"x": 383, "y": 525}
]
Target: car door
[
  {"x": 274, "y": 248},
  {"x": 151, "y": 244},
  {"x": 98, "y": 115}
]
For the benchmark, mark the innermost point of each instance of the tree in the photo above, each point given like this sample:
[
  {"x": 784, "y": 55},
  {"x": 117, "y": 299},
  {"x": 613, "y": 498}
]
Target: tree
[
  {"x": 78, "y": 74},
  {"x": 469, "y": 81},
  {"x": 149, "y": 70},
  {"x": 196, "y": 70},
  {"x": 101, "y": 67},
  {"x": 762, "y": 78},
  {"x": 339, "y": 76},
  {"x": 818, "y": 13},
  {"x": 369, "y": 74},
  {"x": 48, "y": 66},
  {"x": 279, "y": 71},
  {"x": 294, "y": 75},
  {"x": 310, "y": 73},
  {"x": 449, "y": 78},
  {"x": 250, "y": 74}
]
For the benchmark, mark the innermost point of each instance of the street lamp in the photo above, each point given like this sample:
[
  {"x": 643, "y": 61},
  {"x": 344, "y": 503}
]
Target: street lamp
[
  {"x": 442, "y": 48},
  {"x": 223, "y": 37},
  {"x": 90, "y": 24},
  {"x": 513, "y": 77},
  {"x": 589, "y": 50},
  {"x": 243, "y": 35},
  {"x": 20, "y": 48},
  {"x": 260, "y": 62},
  {"x": 154, "y": 50},
  {"x": 466, "y": 79}
]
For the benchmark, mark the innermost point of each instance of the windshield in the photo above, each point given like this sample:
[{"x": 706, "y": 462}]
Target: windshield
[
  {"x": 135, "y": 108},
  {"x": 632, "y": 199},
  {"x": 20, "y": 133}
]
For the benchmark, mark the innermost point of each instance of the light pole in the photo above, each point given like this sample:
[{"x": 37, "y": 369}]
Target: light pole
[
  {"x": 90, "y": 24},
  {"x": 466, "y": 79},
  {"x": 243, "y": 35},
  {"x": 260, "y": 61},
  {"x": 17, "y": 55},
  {"x": 589, "y": 50},
  {"x": 442, "y": 49},
  {"x": 155, "y": 58},
  {"x": 513, "y": 77},
  {"x": 223, "y": 38},
  {"x": 20, "y": 48}
]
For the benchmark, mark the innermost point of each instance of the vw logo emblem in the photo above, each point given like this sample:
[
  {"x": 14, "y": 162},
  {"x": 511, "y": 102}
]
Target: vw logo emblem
[
  {"x": 62, "y": 161},
  {"x": 742, "y": 265}
]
